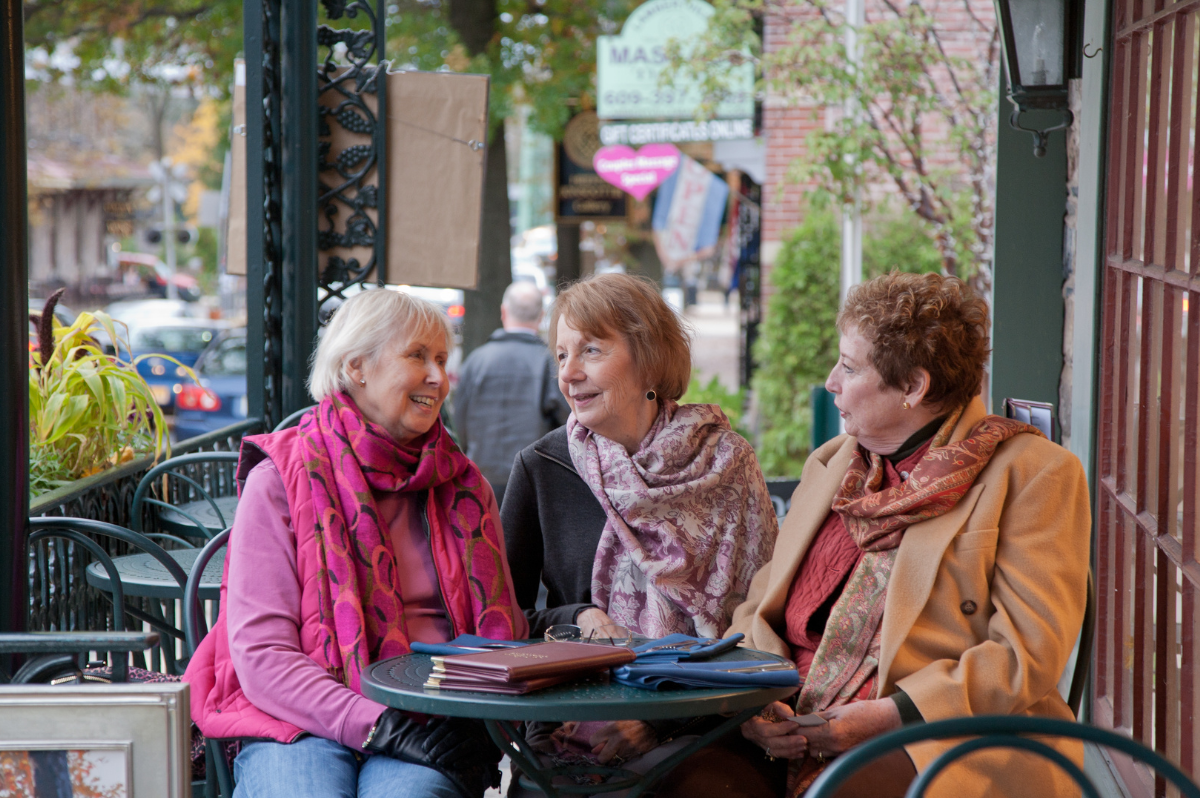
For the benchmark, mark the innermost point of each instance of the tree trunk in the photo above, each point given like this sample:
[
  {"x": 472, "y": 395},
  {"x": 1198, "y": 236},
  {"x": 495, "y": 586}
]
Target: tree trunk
[
  {"x": 475, "y": 23},
  {"x": 566, "y": 263},
  {"x": 482, "y": 306}
]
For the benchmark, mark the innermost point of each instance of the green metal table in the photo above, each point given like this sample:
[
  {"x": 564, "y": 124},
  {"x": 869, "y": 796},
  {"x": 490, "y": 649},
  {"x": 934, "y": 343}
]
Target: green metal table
[
  {"x": 192, "y": 518},
  {"x": 400, "y": 682},
  {"x": 142, "y": 575}
]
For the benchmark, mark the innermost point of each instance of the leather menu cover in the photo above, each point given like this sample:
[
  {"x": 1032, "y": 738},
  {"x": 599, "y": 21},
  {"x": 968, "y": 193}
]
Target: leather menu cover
[
  {"x": 486, "y": 685},
  {"x": 536, "y": 661}
]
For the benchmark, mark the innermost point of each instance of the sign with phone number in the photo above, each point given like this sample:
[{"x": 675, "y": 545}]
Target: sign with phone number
[{"x": 630, "y": 67}]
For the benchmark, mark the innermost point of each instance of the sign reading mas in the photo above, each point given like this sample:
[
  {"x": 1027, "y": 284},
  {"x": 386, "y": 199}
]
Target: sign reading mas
[{"x": 630, "y": 65}]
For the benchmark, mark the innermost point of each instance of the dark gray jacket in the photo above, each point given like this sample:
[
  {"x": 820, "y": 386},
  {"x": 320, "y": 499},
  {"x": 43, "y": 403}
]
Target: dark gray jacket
[
  {"x": 552, "y": 526},
  {"x": 507, "y": 397}
]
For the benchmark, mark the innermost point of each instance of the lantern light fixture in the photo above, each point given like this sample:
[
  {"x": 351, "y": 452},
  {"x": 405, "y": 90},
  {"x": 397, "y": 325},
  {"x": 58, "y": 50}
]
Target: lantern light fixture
[{"x": 1039, "y": 58}]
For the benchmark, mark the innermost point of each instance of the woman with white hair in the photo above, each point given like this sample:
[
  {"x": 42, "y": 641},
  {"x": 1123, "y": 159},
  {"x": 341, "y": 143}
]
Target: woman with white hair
[{"x": 359, "y": 531}]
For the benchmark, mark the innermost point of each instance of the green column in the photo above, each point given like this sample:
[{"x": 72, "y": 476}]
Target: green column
[
  {"x": 14, "y": 332},
  {"x": 1027, "y": 303}
]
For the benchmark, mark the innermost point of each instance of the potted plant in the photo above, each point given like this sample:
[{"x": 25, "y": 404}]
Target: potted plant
[{"x": 88, "y": 410}]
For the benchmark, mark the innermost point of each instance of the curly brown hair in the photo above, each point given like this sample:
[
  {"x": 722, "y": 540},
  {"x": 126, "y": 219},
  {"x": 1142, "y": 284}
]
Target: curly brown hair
[
  {"x": 605, "y": 305},
  {"x": 923, "y": 321}
]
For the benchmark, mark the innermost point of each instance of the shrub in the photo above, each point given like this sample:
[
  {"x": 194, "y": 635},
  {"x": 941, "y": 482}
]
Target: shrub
[
  {"x": 798, "y": 341},
  {"x": 88, "y": 410}
]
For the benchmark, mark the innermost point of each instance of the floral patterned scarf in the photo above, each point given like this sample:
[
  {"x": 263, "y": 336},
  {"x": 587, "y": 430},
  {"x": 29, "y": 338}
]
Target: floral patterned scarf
[
  {"x": 360, "y": 605},
  {"x": 848, "y": 656},
  {"x": 689, "y": 521}
]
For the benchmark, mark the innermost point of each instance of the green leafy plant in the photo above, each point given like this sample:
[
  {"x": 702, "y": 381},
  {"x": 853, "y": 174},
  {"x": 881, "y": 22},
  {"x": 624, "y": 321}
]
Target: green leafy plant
[
  {"x": 715, "y": 393},
  {"x": 798, "y": 342},
  {"x": 88, "y": 410}
]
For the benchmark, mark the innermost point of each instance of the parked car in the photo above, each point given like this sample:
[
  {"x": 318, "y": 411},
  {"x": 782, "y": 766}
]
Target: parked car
[
  {"x": 450, "y": 300},
  {"x": 181, "y": 339},
  {"x": 132, "y": 311},
  {"x": 141, "y": 274},
  {"x": 220, "y": 397}
]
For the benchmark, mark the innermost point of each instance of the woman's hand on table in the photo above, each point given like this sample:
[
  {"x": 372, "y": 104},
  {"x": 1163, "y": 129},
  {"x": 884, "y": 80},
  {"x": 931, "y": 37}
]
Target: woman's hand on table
[
  {"x": 851, "y": 724},
  {"x": 592, "y": 619},
  {"x": 776, "y": 737},
  {"x": 623, "y": 739}
]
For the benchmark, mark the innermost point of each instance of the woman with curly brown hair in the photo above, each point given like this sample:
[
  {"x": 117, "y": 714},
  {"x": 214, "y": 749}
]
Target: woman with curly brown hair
[{"x": 934, "y": 563}]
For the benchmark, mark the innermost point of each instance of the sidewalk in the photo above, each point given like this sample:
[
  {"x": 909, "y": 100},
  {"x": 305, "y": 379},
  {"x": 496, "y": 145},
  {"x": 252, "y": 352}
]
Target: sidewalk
[{"x": 716, "y": 341}]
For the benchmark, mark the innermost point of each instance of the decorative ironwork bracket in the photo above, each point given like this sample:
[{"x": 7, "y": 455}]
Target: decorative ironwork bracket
[{"x": 352, "y": 181}]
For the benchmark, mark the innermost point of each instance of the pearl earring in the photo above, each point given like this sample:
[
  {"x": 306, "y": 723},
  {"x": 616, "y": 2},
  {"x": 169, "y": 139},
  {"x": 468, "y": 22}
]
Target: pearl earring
[{"x": 364, "y": 382}]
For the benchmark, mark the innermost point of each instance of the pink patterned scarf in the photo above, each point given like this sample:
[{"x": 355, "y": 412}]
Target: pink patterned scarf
[
  {"x": 848, "y": 656},
  {"x": 361, "y": 609},
  {"x": 689, "y": 521}
]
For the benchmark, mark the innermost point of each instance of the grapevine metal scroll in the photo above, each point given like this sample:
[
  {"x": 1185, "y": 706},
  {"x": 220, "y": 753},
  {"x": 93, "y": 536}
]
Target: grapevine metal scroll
[{"x": 351, "y": 181}]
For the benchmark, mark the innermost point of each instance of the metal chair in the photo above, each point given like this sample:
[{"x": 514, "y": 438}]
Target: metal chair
[
  {"x": 195, "y": 628},
  {"x": 293, "y": 419},
  {"x": 77, "y": 531},
  {"x": 1041, "y": 415},
  {"x": 58, "y": 654},
  {"x": 995, "y": 731},
  {"x": 196, "y": 493}
]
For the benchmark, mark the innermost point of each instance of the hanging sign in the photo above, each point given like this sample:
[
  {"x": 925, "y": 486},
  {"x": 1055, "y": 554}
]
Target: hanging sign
[
  {"x": 638, "y": 172},
  {"x": 581, "y": 195},
  {"x": 678, "y": 132},
  {"x": 687, "y": 213},
  {"x": 629, "y": 67}
]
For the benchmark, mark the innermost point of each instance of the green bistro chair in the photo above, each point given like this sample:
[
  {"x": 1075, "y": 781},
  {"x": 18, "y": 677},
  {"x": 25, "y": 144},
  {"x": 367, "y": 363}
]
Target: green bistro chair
[
  {"x": 995, "y": 731},
  {"x": 52, "y": 655},
  {"x": 293, "y": 419},
  {"x": 218, "y": 775},
  {"x": 192, "y": 496},
  {"x": 52, "y": 539}
]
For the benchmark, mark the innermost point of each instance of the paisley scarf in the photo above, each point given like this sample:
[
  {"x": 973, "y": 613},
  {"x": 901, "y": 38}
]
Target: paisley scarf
[
  {"x": 361, "y": 610},
  {"x": 848, "y": 655},
  {"x": 689, "y": 521}
]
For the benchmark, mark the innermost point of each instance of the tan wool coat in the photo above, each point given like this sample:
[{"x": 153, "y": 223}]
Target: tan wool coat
[{"x": 983, "y": 607}]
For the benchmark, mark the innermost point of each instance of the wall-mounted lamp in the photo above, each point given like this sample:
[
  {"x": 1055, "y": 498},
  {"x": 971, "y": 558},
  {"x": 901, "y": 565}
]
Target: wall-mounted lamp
[{"x": 1038, "y": 56}]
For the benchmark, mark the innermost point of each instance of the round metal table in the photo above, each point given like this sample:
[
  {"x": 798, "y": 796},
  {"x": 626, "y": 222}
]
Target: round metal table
[
  {"x": 399, "y": 682},
  {"x": 183, "y": 519},
  {"x": 142, "y": 575}
]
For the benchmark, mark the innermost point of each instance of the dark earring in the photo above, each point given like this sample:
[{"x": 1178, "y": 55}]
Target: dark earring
[{"x": 651, "y": 396}]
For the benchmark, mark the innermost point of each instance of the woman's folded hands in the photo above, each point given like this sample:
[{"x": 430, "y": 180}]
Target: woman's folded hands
[
  {"x": 848, "y": 725},
  {"x": 623, "y": 740},
  {"x": 457, "y": 747}
]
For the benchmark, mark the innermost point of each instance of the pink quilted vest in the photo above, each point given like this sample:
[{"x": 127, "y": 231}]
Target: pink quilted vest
[{"x": 219, "y": 707}]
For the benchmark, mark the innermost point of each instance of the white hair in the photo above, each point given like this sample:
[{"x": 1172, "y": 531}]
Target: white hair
[
  {"x": 362, "y": 326},
  {"x": 523, "y": 301}
]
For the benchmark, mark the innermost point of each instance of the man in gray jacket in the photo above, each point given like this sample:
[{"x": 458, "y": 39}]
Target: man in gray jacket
[{"x": 507, "y": 395}]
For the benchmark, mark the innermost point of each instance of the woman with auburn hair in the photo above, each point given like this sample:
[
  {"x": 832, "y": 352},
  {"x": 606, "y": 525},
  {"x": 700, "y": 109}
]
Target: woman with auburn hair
[
  {"x": 934, "y": 562},
  {"x": 359, "y": 531},
  {"x": 640, "y": 512}
]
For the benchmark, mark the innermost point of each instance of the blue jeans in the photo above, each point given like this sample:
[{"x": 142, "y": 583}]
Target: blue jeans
[{"x": 314, "y": 767}]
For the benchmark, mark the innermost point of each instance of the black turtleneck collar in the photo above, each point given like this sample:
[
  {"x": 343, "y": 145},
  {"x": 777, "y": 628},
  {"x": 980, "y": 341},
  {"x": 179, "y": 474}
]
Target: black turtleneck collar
[{"x": 916, "y": 440}]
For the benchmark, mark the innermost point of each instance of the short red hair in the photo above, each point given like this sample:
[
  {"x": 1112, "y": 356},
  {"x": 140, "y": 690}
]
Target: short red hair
[
  {"x": 607, "y": 305},
  {"x": 923, "y": 321}
]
